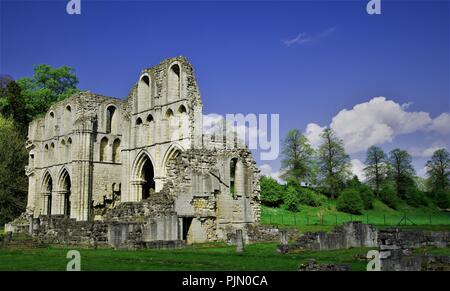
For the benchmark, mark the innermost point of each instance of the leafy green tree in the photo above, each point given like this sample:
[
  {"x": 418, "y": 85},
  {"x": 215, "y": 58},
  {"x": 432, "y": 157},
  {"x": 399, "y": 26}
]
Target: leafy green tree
[
  {"x": 291, "y": 199},
  {"x": 402, "y": 171},
  {"x": 388, "y": 194},
  {"x": 414, "y": 197},
  {"x": 12, "y": 104},
  {"x": 364, "y": 191},
  {"x": 13, "y": 182},
  {"x": 350, "y": 201},
  {"x": 309, "y": 197},
  {"x": 47, "y": 86},
  {"x": 298, "y": 157},
  {"x": 438, "y": 171},
  {"x": 271, "y": 192},
  {"x": 376, "y": 169},
  {"x": 443, "y": 199},
  {"x": 334, "y": 163}
]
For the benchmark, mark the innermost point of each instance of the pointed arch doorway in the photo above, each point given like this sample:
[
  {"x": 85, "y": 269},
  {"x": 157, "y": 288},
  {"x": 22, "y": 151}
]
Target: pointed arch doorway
[{"x": 143, "y": 178}]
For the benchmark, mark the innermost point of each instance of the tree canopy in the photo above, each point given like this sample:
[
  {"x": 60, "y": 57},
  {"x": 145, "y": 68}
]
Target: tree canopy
[
  {"x": 298, "y": 158},
  {"x": 47, "y": 86},
  {"x": 334, "y": 162}
]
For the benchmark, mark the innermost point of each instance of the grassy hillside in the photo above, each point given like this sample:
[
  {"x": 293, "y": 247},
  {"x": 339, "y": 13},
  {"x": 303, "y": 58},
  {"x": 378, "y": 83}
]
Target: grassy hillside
[{"x": 309, "y": 218}]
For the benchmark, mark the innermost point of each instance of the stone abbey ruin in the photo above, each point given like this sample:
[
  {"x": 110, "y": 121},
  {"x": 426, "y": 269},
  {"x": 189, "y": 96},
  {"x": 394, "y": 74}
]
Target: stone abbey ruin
[{"x": 137, "y": 171}]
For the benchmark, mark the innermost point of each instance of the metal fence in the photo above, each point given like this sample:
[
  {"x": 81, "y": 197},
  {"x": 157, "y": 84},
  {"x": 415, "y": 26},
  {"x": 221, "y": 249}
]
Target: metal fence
[{"x": 389, "y": 220}]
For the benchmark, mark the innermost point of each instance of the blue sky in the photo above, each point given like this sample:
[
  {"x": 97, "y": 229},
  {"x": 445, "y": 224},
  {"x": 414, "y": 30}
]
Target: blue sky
[{"x": 305, "y": 60}]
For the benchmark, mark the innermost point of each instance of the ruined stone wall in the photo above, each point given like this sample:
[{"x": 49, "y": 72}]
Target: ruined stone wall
[
  {"x": 397, "y": 246},
  {"x": 352, "y": 234}
]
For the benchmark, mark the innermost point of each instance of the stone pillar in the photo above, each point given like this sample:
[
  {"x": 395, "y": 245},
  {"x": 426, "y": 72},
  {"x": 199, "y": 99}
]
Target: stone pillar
[
  {"x": 58, "y": 202},
  {"x": 136, "y": 190},
  {"x": 45, "y": 196},
  {"x": 180, "y": 228},
  {"x": 283, "y": 237},
  {"x": 83, "y": 169},
  {"x": 239, "y": 241}
]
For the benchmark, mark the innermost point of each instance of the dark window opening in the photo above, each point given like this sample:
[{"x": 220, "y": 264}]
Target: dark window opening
[
  {"x": 187, "y": 221},
  {"x": 148, "y": 176}
]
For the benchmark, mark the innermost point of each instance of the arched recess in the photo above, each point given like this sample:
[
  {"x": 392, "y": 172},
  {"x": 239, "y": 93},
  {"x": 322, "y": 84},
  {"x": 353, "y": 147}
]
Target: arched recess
[
  {"x": 144, "y": 94},
  {"x": 116, "y": 151},
  {"x": 183, "y": 120},
  {"x": 69, "y": 149},
  {"x": 151, "y": 128},
  {"x": 237, "y": 177},
  {"x": 233, "y": 163},
  {"x": 174, "y": 84},
  {"x": 172, "y": 153},
  {"x": 46, "y": 190},
  {"x": 65, "y": 188},
  {"x": 104, "y": 149},
  {"x": 169, "y": 124},
  {"x": 68, "y": 119},
  {"x": 143, "y": 179},
  {"x": 111, "y": 119}
]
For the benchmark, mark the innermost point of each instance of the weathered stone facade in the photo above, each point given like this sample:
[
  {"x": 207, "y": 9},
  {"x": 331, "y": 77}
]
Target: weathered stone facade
[{"x": 90, "y": 154}]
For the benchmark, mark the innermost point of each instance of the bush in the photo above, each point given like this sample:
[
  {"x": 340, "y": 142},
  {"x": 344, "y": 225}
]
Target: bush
[
  {"x": 415, "y": 198},
  {"x": 291, "y": 199},
  {"x": 388, "y": 195},
  {"x": 366, "y": 195},
  {"x": 442, "y": 199},
  {"x": 311, "y": 198},
  {"x": 271, "y": 192},
  {"x": 350, "y": 201}
]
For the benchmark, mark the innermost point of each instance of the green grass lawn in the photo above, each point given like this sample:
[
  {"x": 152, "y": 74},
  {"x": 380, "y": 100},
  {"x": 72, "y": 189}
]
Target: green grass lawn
[
  {"x": 209, "y": 257},
  {"x": 216, "y": 257},
  {"x": 308, "y": 218}
]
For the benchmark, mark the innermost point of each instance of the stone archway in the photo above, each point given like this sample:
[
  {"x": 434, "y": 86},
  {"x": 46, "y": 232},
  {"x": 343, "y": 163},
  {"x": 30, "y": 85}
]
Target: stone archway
[
  {"x": 143, "y": 181},
  {"x": 47, "y": 189},
  {"x": 66, "y": 191}
]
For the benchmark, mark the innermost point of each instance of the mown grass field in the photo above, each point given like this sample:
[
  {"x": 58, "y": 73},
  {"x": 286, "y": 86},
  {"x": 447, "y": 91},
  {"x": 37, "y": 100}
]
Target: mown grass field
[
  {"x": 257, "y": 257},
  {"x": 221, "y": 257},
  {"x": 309, "y": 218},
  {"x": 208, "y": 257}
]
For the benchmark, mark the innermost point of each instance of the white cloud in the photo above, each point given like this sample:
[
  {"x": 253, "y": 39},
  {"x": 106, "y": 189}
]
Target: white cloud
[
  {"x": 304, "y": 37},
  {"x": 376, "y": 122},
  {"x": 441, "y": 124},
  {"x": 312, "y": 133},
  {"x": 358, "y": 169},
  {"x": 425, "y": 152},
  {"x": 267, "y": 170}
]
